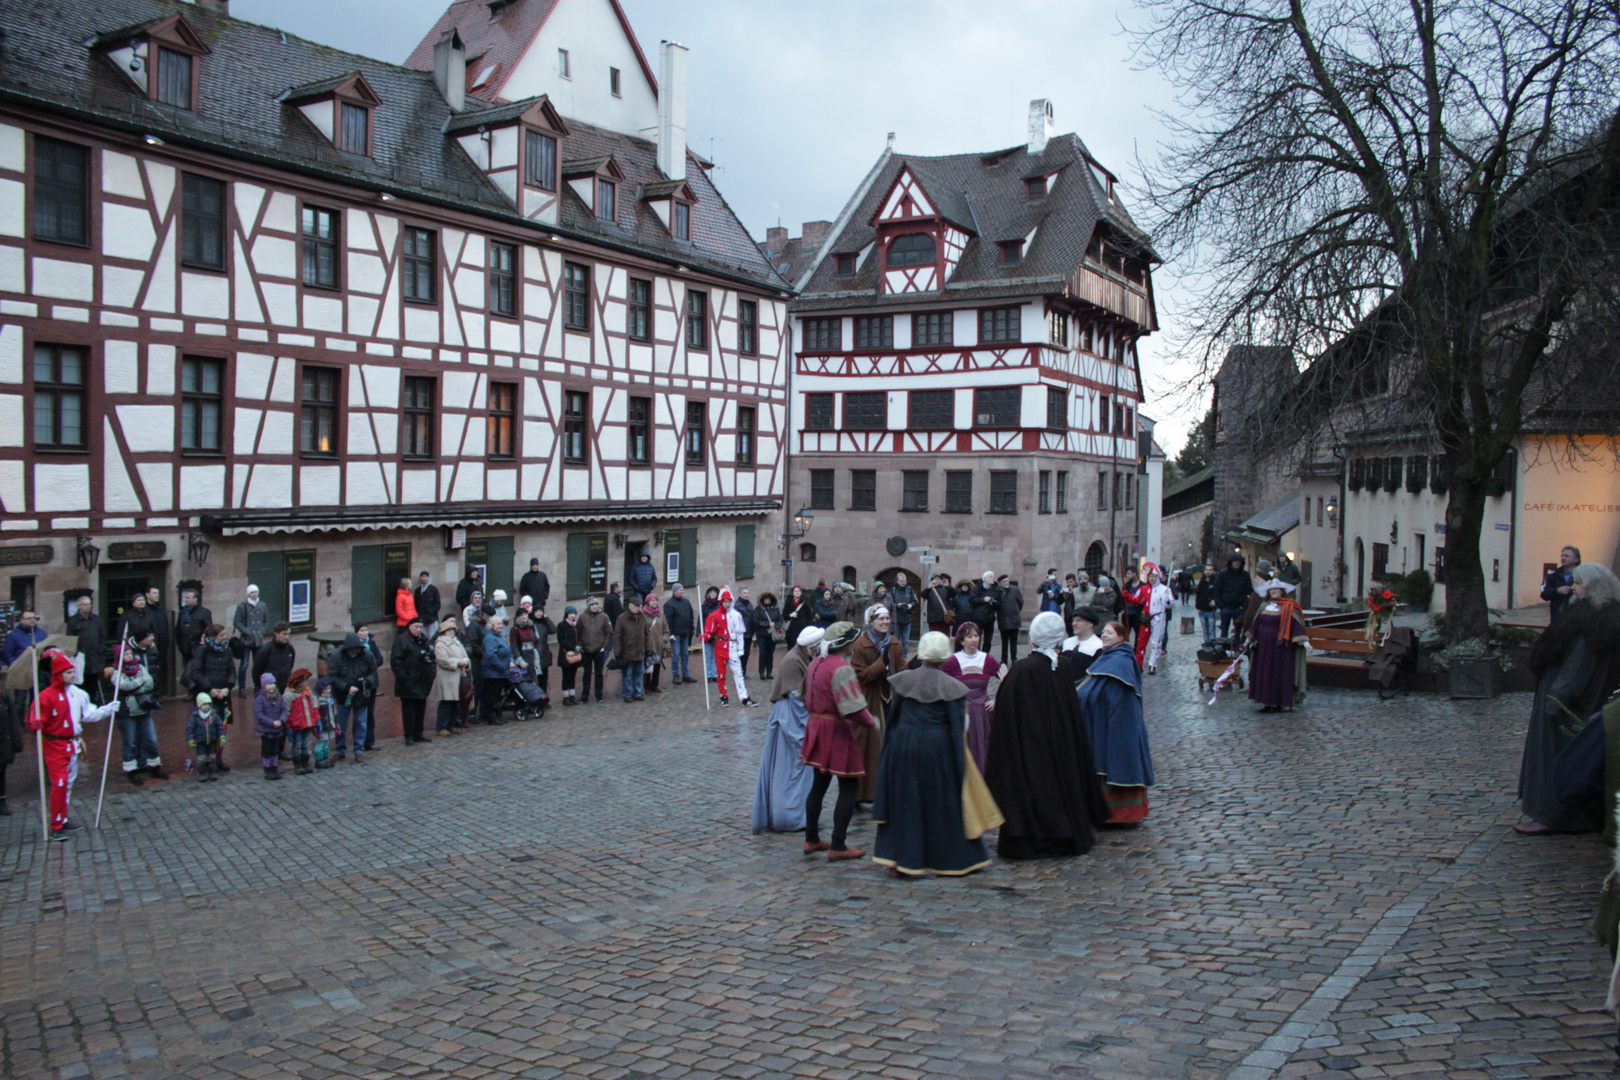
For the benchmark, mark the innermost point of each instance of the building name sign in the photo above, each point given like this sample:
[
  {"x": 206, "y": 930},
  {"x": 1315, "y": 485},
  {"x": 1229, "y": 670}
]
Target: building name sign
[
  {"x": 966, "y": 548},
  {"x": 23, "y": 556},
  {"x": 1575, "y": 508},
  {"x": 137, "y": 550}
]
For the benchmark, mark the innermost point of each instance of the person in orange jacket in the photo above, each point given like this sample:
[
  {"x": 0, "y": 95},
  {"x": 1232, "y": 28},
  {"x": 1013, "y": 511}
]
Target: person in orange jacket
[{"x": 404, "y": 604}]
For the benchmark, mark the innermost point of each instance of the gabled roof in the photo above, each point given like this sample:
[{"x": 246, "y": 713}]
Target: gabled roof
[
  {"x": 354, "y": 81},
  {"x": 1269, "y": 525},
  {"x": 588, "y": 166},
  {"x": 173, "y": 27},
  {"x": 666, "y": 188},
  {"x": 987, "y": 189},
  {"x": 949, "y": 203},
  {"x": 502, "y": 37},
  {"x": 523, "y": 109},
  {"x": 238, "y": 116}
]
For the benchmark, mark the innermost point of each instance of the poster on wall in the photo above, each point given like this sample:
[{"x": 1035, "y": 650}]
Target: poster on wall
[
  {"x": 672, "y": 567},
  {"x": 596, "y": 563},
  {"x": 298, "y": 605}
]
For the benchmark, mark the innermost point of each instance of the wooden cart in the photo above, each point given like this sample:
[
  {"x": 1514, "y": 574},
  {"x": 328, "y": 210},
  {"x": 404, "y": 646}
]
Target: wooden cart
[{"x": 1211, "y": 670}]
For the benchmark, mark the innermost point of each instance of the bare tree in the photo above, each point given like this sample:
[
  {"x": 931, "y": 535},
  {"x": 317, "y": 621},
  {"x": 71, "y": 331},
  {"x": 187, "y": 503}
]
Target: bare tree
[{"x": 1432, "y": 180}]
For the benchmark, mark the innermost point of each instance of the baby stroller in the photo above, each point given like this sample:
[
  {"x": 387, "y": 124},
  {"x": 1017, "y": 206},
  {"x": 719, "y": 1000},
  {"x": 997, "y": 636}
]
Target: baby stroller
[
  {"x": 523, "y": 695},
  {"x": 1214, "y": 658}
]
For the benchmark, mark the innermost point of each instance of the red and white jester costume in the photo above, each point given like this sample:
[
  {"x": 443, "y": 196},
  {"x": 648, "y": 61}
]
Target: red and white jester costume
[{"x": 60, "y": 713}]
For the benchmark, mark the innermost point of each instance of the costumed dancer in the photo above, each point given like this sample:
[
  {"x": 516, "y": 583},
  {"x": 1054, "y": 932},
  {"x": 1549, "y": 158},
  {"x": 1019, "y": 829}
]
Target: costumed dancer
[
  {"x": 926, "y": 821},
  {"x": 1138, "y": 595},
  {"x": 877, "y": 655},
  {"x": 1276, "y": 631},
  {"x": 1111, "y": 703},
  {"x": 59, "y": 714},
  {"x": 837, "y": 710},
  {"x": 784, "y": 779},
  {"x": 205, "y": 733},
  {"x": 1083, "y": 644},
  {"x": 737, "y": 631},
  {"x": 1040, "y": 767},
  {"x": 1161, "y": 602},
  {"x": 718, "y": 635},
  {"x": 981, "y": 674}
]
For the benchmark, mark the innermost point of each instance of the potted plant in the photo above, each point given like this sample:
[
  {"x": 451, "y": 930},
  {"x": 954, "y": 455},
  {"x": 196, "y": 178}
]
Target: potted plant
[
  {"x": 1417, "y": 590},
  {"x": 1475, "y": 670}
]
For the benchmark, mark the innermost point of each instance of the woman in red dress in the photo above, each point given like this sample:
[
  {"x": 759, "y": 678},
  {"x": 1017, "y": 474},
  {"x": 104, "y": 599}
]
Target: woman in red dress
[{"x": 837, "y": 705}]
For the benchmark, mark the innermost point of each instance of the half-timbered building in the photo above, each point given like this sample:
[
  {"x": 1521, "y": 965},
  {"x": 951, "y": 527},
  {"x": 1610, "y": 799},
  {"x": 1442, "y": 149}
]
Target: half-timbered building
[
  {"x": 276, "y": 313},
  {"x": 966, "y": 373}
]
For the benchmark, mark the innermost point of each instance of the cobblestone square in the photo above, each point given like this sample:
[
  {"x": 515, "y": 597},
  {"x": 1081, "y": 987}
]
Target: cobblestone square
[{"x": 1329, "y": 893}]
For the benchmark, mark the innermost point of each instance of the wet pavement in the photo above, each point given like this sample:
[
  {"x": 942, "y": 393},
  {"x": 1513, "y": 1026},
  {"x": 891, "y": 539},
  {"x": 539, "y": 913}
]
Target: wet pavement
[{"x": 1333, "y": 892}]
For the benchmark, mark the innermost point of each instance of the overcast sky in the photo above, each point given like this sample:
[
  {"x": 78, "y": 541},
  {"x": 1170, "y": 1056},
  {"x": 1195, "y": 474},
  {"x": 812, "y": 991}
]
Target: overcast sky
[{"x": 794, "y": 100}]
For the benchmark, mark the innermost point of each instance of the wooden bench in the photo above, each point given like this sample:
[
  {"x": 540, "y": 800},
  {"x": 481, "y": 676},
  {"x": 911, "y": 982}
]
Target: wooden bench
[{"x": 1339, "y": 651}]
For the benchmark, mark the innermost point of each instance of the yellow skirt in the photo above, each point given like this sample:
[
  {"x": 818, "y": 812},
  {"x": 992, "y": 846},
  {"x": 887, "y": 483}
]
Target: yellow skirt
[{"x": 979, "y": 809}]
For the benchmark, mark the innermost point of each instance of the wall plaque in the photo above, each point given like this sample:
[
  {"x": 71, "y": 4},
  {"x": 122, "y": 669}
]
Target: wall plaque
[
  {"x": 29, "y": 553},
  {"x": 137, "y": 550}
]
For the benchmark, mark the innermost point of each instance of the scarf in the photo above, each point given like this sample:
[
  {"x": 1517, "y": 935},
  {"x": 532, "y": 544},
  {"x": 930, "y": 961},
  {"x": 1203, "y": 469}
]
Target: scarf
[
  {"x": 1287, "y": 610},
  {"x": 882, "y": 643},
  {"x": 650, "y": 608}
]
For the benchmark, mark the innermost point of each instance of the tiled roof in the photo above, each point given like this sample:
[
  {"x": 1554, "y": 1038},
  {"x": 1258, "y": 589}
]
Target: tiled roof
[
  {"x": 988, "y": 188},
  {"x": 500, "y": 40},
  {"x": 250, "y": 67},
  {"x": 1274, "y": 520}
]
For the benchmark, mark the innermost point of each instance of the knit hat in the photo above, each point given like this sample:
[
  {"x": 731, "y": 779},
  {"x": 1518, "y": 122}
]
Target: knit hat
[
  {"x": 933, "y": 648},
  {"x": 499, "y": 596},
  {"x": 811, "y": 636},
  {"x": 570, "y": 610},
  {"x": 204, "y": 699},
  {"x": 267, "y": 679},
  {"x": 527, "y": 600}
]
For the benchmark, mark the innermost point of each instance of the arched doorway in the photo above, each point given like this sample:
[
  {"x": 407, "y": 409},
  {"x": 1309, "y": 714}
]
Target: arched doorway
[
  {"x": 1361, "y": 569},
  {"x": 1096, "y": 557}
]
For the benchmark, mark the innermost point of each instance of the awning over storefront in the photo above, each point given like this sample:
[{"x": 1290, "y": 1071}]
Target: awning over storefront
[{"x": 362, "y": 519}]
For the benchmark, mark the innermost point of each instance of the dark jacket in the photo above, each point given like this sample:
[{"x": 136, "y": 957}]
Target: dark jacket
[
  {"x": 1204, "y": 598},
  {"x": 963, "y": 602},
  {"x": 746, "y": 608},
  {"x": 92, "y": 642},
  {"x": 1556, "y": 577},
  {"x": 567, "y": 639},
  {"x": 644, "y": 577},
  {"x": 252, "y": 622},
  {"x": 19, "y": 640},
  {"x": 536, "y": 586},
  {"x": 139, "y": 623},
  {"x": 766, "y": 616},
  {"x": 352, "y": 668},
  {"x": 678, "y": 614},
  {"x": 938, "y": 600},
  {"x": 613, "y": 607},
  {"x": 277, "y": 659},
  {"x": 497, "y": 658},
  {"x": 630, "y": 636},
  {"x": 190, "y": 624},
  {"x": 905, "y": 603},
  {"x": 1232, "y": 587},
  {"x": 411, "y": 661},
  {"x": 211, "y": 668},
  {"x": 533, "y": 642},
  {"x": 986, "y": 603},
  {"x": 428, "y": 605},
  {"x": 595, "y": 631},
  {"x": 472, "y": 639},
  {"x": 1012, "y": 608},
  {"x": 202, "y": 732},
  {"x": 464, "y": 590}
]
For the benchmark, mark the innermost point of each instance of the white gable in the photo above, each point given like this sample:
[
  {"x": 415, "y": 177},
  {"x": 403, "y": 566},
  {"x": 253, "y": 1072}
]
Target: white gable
[
  {"x": 596, "y": 42},
  {"x": 906, "y": 200}
]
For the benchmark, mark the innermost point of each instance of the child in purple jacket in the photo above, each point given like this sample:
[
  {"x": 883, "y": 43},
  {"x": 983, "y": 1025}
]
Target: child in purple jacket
[{"x": 270, "y": 722}]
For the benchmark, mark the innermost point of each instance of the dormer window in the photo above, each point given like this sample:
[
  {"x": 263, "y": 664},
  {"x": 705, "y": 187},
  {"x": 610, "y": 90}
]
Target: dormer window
[
  {"x": 912, "y": 249},
  {"x": 607, "y": 194},
  {"x": 844, "y": 265},
  {"x": 1012, "y": 252},
  {"x": 672, "y": 201},
  {"x": 596, "y": 181},
  {"x": 683, "y": 221},
  {"x": 355, "y": 134},
  {"x": 160, "y": 59},
  {"x": 1035, "y": 188},
  {"x": 540, "y": 161},
  {"x": 174, "y": 81},
  {"x": 340, "y": 108}
]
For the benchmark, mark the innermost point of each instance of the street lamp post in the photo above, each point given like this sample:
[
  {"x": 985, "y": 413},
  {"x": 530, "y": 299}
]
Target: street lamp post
[{"x": 801, "y": 522}]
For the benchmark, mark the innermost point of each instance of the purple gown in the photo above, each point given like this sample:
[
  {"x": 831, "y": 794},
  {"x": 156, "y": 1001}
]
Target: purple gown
[
  {"x": 978, "y": 717},
  {"x": 1271, "y": 676}
]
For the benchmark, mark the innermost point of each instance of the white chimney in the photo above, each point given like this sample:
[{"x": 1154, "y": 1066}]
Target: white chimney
[
  {"x": 1040, "y": 125},
  {"x": 672, "y": 110},
  {"x": 450, "y": 69}
]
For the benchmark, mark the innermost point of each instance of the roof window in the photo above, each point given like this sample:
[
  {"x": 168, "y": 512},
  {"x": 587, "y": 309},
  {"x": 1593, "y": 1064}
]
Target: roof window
[
  {"x": 159, "y": 58},
  {"x": 340, "y": 108}
]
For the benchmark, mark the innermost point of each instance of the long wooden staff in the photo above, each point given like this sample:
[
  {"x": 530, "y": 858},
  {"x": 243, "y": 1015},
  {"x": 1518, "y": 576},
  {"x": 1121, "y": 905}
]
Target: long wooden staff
[
  {"x": 39, "y": 753},
  {"x": 106, "y": 757}
]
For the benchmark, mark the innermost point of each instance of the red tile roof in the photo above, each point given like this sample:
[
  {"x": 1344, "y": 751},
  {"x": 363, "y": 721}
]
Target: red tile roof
[{"x": 503, "y": 39}]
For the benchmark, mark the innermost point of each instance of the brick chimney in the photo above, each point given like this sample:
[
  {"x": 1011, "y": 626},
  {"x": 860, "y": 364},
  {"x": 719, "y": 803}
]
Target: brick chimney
[
  {"x": 450, "y": 69},
  {"x": 776, "y": 239},
  {"x": 815, "y": 233}
]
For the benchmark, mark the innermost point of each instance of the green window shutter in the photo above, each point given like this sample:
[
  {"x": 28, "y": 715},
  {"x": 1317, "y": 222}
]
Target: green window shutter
[
  {"x": 689, "y": 558},
  {"x": 365, "y": 583},
  {"x": 264, "y": 570},
  {"x": 578, "y": 558},
  {"x": 745, "y": 552},
  {"x": 501, "y": 549}
]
